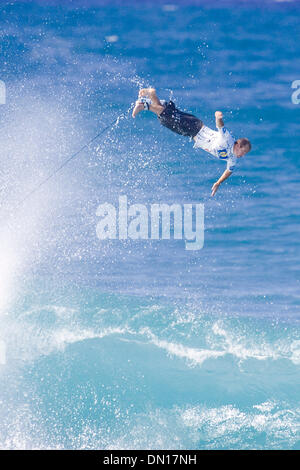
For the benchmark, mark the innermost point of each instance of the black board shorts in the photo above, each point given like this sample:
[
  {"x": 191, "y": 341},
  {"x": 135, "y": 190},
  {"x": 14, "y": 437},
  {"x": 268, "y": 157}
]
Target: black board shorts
[{"x": 178, "y": 121}]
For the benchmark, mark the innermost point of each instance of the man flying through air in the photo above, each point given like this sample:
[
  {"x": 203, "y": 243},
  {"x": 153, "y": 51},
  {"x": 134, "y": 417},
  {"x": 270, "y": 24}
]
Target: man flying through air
[{"x": 219, "y": 143}]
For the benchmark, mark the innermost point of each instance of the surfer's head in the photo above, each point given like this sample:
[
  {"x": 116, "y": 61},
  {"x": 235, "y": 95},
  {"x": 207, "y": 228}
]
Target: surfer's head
[{"x": 241, "y": 147}]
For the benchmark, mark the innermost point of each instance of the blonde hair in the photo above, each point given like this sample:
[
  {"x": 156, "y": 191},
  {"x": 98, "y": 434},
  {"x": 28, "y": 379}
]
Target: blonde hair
[{"x": 245, "y": 143}]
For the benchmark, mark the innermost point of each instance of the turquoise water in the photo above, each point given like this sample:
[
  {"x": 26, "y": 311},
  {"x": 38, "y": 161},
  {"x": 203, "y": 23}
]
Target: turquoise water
[{"x": 143, "y": 344}]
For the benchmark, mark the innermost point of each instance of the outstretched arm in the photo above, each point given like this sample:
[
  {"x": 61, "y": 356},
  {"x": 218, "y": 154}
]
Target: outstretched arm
[
  {"x": 219, "y": 119},
  {"x": 224, "y": 177}
]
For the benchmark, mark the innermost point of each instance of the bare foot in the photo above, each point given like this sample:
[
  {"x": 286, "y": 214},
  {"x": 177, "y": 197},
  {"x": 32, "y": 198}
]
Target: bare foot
[
  {"x": 155, "y": 105},
  {"x": 150, "y": 93},
  {"x": 137, "y": 108}
]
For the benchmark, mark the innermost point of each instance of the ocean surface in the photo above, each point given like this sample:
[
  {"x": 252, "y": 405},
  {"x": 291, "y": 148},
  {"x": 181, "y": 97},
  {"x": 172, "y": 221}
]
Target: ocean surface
[{"x": 142, "y": 344}]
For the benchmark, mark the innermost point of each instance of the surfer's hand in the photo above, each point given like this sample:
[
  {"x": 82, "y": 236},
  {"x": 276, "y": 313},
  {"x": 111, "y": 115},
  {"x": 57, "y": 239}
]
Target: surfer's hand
[
  {"x": 215, "y": 188},
  {"x": 219, "y": 119}
]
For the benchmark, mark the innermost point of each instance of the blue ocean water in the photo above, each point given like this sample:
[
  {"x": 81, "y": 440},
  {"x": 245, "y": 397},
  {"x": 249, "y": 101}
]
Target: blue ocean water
[{"x": 124, "y": 344}]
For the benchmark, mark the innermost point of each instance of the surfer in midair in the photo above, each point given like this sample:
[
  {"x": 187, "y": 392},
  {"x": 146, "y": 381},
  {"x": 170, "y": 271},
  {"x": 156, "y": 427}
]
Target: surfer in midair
[{"x": 220, "y": 143}]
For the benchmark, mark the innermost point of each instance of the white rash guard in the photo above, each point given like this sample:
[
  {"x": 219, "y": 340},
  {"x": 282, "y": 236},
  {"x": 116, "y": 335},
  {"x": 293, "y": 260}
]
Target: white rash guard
[{"x": 217, "y": 143}]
